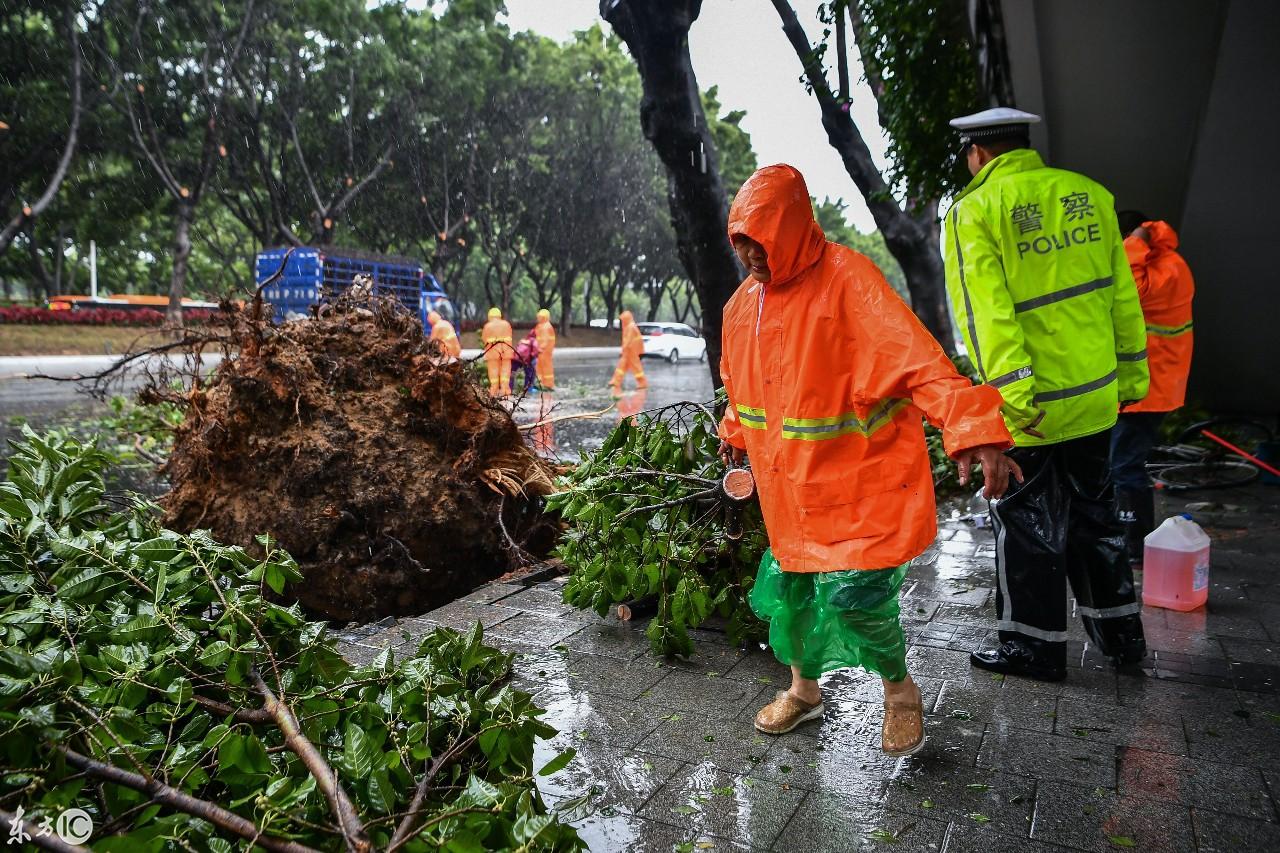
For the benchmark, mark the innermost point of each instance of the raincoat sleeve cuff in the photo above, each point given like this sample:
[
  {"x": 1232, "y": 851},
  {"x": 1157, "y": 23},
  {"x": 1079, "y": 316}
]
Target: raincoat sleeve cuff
[
  {"x": 730, "y": 430},
  {"x": 1136, "y": 250},
  {"x": 975, "y": 421}
]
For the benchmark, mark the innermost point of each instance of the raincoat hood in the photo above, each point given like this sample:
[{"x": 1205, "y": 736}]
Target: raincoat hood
[
  {"x": 1163, "y": 237},
  {"x": 544, "y": 314},
  {"x": 626, "y": 318},
  {"x": 773, "y": 208},
  {"x": 433, "y": 317}
]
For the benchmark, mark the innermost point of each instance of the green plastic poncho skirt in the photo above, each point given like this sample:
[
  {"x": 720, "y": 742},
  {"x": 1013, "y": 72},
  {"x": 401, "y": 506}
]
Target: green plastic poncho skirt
[{"x": 820, "y": 621}]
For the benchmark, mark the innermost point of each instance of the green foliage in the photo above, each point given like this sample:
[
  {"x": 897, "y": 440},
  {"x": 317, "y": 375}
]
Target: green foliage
[
  {"x": 144, "y": 649},
  {"x": 917, "y": 56},
  {"x": 946, "y": 479},
  {"x": 621, "y": 550}
]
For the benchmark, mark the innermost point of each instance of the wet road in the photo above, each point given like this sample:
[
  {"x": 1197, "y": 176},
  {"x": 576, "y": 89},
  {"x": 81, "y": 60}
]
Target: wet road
[{"x": 582, "y": 378}]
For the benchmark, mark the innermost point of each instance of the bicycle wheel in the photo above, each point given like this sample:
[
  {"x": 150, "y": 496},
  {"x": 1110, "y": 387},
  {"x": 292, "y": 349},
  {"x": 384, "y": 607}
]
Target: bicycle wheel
[{"x": 1205, "y": 475}]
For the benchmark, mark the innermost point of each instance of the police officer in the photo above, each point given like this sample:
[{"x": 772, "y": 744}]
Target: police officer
[{"x": 1042, "y": 291}]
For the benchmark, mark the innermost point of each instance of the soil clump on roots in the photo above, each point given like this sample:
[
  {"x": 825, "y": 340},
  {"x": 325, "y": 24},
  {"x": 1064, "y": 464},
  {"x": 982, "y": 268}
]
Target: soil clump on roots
[{"x": 379, "y": 464}]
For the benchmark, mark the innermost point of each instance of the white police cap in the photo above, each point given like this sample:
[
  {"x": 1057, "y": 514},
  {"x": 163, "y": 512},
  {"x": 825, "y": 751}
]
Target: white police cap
[{"x": 996, "y": 123}]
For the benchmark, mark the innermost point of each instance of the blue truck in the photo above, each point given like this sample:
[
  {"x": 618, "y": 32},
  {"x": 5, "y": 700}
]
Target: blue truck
[{"x": 313, "y": 272}]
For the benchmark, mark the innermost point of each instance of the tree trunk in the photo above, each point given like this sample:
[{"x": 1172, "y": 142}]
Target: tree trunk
[
  {"x": 38, "y": 271},
  {"x": 912, "y": 238},
  {"x": 183, "y": 216},
  {"x": 567, "y": 278},
  {"x": 672, "y": 118}
]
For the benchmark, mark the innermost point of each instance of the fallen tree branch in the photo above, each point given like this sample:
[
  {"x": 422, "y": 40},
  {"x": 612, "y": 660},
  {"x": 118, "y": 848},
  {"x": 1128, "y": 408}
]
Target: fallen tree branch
[
  {"x": 559, "y": 418},
  {"x": 241, "y": 715},
  {"x": 405, "y": 830},
  {"x": 165, "y": 795},
  {"x": 327, "y": 779}
]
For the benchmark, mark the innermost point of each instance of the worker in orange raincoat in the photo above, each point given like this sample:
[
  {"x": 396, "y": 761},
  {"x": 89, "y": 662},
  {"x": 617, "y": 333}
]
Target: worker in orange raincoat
[
  {"x": 546, "y": 334},
  {"x": 1165, "y": 288},
  {"x": 498, "y": 352},
  {"x": 828, "y": 373},
  {"x": 442, "y": 331},
  {"x": 632, "y": 350}
]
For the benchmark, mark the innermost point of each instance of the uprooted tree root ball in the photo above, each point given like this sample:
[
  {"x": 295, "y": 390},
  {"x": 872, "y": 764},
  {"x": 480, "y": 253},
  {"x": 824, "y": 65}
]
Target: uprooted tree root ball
[{"x": 382, "y": 467}]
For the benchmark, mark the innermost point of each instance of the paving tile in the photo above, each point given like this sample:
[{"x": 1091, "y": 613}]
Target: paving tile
[
  {"x": 1097, "y": 722},
  {"x": 1044, "y": 756},
  {"x": 761, "y": 667},
  {"x": 829, "y": 822},
  {"x": 534, "y": 629},
  {"x": 1194, "y": 782},
  {"x": 461, "y": 615},
  {"x": 603, "y": 720},
  {"x": 994, "y": 800},
  {"x": 609, "y": 832},
  {"x": 543, "y": 599},
  {"x": 728, "y": 744},
  {"x": 701, "y": 695},
  {"x": 709, "y": 659},
  {"x": 1255, "y": 677},
  {"x": 1220, "y": 833},
  {"x": 989, "y": 703},
  {"x": 1170, "y": 702},
  {"x": 595, "y": 674},
  {"x": 849, "y": 762},
  {"x": 609, "y": 638},
  {"x": 938, "y": 663},
  {"x": 967, "y": 837},
  {"x": 1100, "y": 820},
  {"x": 1236, "y": 741},
  {"x": 492, "y": 592},
  {"x": 710, "y": 801},
  {"x": 844, "y": 686},
  {"x": 613, "y": 779},
  {"x": 1084, "y": 683},
  {"x": 1218, "y": 624}
]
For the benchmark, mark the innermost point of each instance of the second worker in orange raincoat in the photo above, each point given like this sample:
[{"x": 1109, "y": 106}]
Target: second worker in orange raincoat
[
  {"x": 1165, "y": 289},
  {"x": 546, "y": 334},
  {"x": 828, "y": 374},
  {"x": 632, "y": 351},
  {"x": 442, "y": 331},
  {"x": 498, "y": 352}
]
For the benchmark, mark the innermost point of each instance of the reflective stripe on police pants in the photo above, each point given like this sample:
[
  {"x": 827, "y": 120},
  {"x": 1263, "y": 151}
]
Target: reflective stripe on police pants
[
  {"x": 1075, "y": 390},
  {"x": 1060, "y": 295},
  {"x": 1109, "y": 612},
  {"x": 1007, "y": 622}
]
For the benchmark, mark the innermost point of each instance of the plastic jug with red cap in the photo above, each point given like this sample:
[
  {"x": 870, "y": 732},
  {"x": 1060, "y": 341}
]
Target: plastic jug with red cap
[{"x": 1175, "y": 565}]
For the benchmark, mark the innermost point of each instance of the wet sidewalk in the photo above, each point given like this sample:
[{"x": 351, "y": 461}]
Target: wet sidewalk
[{"x": 1184, "y": 756}]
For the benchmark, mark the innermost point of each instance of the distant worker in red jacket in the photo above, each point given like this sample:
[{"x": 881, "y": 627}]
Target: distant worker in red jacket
[{"x": 1165, "y": 288}]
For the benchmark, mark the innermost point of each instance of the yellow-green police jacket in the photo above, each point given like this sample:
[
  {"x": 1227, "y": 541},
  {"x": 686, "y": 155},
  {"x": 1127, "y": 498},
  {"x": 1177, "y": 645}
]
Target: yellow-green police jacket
[{"x": 1042, "y": 290}]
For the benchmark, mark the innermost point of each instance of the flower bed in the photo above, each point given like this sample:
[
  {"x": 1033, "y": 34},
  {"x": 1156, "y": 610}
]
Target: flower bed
[{"x": 96, "y": 316}]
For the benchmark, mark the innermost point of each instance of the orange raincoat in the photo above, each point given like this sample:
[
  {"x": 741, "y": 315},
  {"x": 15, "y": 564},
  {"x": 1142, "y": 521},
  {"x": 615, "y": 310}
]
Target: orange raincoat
[
  {"x": 498, "y": 353},
  {"x": 546, "y": 334},
  {"x": 828, "y": 373},
  {"x": 1165, "y": 288},
  {"x": 632, "y": 350},
  {"x": 442, "y": 331}
]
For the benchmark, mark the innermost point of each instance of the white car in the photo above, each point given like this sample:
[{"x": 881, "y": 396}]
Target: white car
[{"x": 672, "y": 341}]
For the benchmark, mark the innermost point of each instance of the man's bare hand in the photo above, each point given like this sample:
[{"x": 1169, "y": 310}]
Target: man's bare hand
[
  {"x": 996, "y": 468},
  {"x": 731, "y": 455}
]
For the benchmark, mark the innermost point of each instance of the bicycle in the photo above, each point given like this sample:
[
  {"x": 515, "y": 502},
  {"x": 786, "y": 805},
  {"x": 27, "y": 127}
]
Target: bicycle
[{"x": 1200, "y": 458}]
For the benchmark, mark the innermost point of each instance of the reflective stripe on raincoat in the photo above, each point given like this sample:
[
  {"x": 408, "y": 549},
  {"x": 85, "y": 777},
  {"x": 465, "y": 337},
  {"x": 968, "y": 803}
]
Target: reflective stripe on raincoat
[
  {"x": 1166, "y": 288},
  {"x": 1042, "y": 291},
  {"x": 828, "y": 372}
]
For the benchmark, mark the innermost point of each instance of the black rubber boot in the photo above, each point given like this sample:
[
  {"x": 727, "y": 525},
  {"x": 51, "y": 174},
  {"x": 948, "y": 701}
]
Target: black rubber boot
[{"x": 1019, "y": 657}]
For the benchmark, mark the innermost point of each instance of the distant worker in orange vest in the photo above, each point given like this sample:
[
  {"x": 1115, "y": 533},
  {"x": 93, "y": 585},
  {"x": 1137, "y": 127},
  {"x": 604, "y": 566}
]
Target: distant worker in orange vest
[
  {"x": 632, "y": 349},
  {"x": 546, "y": 346},
  {"x": 1165, "y": 288},
  {"x": 498, "y": 352},
  {"x": 442, "y": 331}
]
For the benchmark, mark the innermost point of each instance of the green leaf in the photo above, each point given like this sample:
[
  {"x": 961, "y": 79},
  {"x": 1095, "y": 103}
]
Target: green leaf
[
  {"x": 1122, "y": 841},
  {"x": 359, "y": 751},
  {"x": 558, "y": 763}
]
